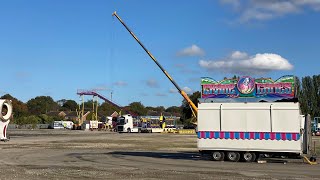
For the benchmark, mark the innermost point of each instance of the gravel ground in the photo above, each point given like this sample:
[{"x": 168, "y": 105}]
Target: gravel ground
[{"x": 65, "y": 154}]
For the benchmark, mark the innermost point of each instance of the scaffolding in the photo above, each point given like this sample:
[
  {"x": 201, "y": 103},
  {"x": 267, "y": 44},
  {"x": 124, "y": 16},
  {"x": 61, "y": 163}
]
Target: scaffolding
[{"x": 95, "y": 104}]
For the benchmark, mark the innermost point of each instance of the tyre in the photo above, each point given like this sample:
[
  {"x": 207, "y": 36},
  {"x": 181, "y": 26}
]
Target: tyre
[
  {"x": 217, "y": 156},
  {"x": 139, "y": 130},
  {"x": 128, "y": 130},
  {"x": 249, "y": 157},
  {"x": 233, "y": 156},
  {"x": 313, "y": 159}
]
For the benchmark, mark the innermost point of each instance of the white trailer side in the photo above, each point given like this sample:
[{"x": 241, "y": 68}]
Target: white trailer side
[{"x": 250, "y": 127}]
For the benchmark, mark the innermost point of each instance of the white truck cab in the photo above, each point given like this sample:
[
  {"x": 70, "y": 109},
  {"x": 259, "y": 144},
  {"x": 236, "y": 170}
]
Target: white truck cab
[{"x": 125, "y": 124}]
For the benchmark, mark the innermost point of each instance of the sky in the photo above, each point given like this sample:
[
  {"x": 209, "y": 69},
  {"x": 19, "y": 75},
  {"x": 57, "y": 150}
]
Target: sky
[{"x": 56, "y": 47}]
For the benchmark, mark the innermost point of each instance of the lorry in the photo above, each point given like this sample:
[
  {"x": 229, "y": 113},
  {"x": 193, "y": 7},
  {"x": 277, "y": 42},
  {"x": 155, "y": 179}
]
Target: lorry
[
  {"x": 243, "y": 118},
  {"x": 126, "y": 123}
]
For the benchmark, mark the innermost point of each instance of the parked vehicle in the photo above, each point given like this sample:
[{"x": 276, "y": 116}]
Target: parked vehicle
[
  {"x": 127, "y": 123},
  {"x": 57, "y": 125}
]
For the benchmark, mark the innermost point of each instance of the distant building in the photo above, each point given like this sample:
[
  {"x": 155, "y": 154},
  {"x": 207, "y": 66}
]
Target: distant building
[
  {"x": 56, "y": 113},
  {"x": 72, "y": 116},
  {"x": 68, "y": 115}
]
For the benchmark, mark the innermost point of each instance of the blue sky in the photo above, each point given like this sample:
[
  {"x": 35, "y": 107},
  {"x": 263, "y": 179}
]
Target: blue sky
[{"x": 54, "y": 47}]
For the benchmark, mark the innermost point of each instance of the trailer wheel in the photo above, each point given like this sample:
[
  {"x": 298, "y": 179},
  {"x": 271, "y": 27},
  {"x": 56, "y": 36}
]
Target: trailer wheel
[
  {"x": 233, "y": 156},
  {"x": 217, "y": 155},
  {"x": 249, "y": 157},
  {"x": 313, "y": 159}
]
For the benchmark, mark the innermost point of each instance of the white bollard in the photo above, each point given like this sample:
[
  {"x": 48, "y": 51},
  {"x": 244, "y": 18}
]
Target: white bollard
[{"x": 5, "y": 118}]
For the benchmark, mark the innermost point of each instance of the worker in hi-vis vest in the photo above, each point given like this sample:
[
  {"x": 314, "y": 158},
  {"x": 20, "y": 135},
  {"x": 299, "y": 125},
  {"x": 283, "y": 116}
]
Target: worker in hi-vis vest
[{"x": 162, "y": 121}]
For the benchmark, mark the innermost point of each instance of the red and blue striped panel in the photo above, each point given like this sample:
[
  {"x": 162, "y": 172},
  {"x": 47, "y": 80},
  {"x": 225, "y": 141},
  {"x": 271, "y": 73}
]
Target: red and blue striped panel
[{"x": 248, "y": 135}]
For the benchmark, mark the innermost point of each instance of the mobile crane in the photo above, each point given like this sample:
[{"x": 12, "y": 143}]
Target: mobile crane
[
  {"x": 183, "y": 93},
  {"x": 246, "y": 130}
]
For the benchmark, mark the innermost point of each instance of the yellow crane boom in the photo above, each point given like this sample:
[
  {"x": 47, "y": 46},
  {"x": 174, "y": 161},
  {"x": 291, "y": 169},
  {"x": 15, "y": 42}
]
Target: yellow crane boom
[{"x": 184, "y": 94}]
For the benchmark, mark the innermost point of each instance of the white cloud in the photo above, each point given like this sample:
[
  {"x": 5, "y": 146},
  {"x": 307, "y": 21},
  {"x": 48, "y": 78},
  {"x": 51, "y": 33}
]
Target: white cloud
[
  {"x": 314, "y": 4},
  {"x": 120, "y": 83},
  {"x": 241, "y": 63},
  {"x": 161, "y": 94},
  {"x": 238, "y": 55},
  {"x": 234, "y": 3},
  {"x": 173, "y": 90},
  {"x": 152, "y": 83},
  {"x": 194, "y": 50},
  {"x": 101, "y": 88},
  {"x": 259, "y": 10},
  {"x": 187, "y": 89}
]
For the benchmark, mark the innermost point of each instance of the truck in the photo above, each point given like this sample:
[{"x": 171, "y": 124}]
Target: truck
[
  {"x": 126, "y": 123},
  {"x": 244, "y": 118}
]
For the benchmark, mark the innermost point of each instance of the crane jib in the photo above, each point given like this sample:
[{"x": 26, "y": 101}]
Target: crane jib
[{"x": 184, "y": 95}]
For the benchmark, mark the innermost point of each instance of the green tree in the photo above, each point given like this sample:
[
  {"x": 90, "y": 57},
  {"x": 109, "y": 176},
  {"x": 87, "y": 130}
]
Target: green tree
[
  {"x": 70, "y": 105},
  {"x": 28, "y": 120},
  {"x": 308, "y": 97},
  {"x": 107, "y": 109},
  {"x": 61, "y": 102},
  {"x": 45, "y": 119},
  {"x": 157, "y": 109},
  {"x": 137, "y": 108},
  {"x": 174, "y": 109},
  {"x": 41, "y": 105},
  {"x": 316, "y": 84},
  {"x": 19, "y": 108}
]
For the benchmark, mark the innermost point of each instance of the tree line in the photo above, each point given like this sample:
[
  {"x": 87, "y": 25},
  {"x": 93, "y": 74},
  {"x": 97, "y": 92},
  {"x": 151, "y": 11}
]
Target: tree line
[
  {"x": 35, "y": 110},
  {"x": 308, "y": 94}
]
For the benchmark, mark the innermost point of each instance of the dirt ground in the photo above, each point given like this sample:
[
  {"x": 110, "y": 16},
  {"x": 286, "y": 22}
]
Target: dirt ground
[{"x": 66, "y": 154}]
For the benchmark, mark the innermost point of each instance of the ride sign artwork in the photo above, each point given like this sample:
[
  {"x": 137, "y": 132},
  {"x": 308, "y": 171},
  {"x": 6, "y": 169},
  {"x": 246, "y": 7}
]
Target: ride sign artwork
[{"x": 248, "y": 87}]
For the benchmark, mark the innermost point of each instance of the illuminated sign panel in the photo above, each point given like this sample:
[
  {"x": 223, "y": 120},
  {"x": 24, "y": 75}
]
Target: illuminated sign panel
[{"x": 248, "y": 87}]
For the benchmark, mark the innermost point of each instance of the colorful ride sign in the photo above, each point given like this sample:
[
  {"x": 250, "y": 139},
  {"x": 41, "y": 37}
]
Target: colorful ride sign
[{"x": 248, "y": 87}]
